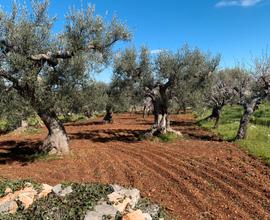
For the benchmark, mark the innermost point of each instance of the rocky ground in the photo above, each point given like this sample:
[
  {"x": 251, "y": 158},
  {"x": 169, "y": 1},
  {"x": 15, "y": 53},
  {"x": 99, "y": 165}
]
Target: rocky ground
[
  {"x": 198, "y": 177},
  {"x": 90, "y": 202}
]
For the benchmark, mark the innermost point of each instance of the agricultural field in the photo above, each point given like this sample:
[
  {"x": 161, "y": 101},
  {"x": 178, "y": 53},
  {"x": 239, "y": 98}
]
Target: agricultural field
[
  {"x": 134, "y": 110},
  {"x": 207, "y": 177}
]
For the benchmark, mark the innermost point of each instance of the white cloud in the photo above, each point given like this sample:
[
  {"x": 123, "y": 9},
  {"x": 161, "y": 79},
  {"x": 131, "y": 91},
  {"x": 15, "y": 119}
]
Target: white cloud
[
  {"x": 156, "y": 51},
  {"x": 241, "y": 3}
]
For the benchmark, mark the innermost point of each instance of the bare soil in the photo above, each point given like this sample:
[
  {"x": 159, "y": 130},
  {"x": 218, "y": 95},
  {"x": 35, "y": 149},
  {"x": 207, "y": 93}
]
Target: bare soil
[{"x": 199, "y": 177}]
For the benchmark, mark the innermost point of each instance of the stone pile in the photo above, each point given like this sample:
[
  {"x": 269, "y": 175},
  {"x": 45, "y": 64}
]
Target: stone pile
[
  {"x": 25, "y": 197},
  {"x": 121, "y": 203}
]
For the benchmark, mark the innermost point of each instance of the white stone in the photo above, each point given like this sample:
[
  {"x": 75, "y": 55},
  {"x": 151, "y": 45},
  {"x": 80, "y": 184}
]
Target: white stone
[
  {"x": 57, "y": 189},
  {"x": 147, "y": 216},
  {"x": 66, "y": 191},
  {"x": 120, "y": 195},
  {"x": 8, "y": 207},
  {"x": 92, "y": 215},
  {"x": 101, "y": 210}
]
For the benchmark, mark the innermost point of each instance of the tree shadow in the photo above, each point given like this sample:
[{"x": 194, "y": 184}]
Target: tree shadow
[
  {"x": 192, "y": 130},
  {"x": 108, "y": 135},
  {"x": 86, "y": 123},
  {"x": 23, "y": 152}
]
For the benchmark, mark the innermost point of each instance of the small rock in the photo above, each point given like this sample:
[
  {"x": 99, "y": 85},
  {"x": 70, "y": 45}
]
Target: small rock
[
  {"x": 123, "y": 205},
  {"x": 57, "y": 189},
  {"x": 134, "y": 195},
  {"x": 66, "y": 191},
  {"x": 93, "y": 215},
  {"x": 101, "y": 210},
  {"x": 26, "y": 196},
  {"x": 27, "y": 184},
  {"x": 153, "y": 210},
  {"x": 128, "y": 197},
  {"x": 116, "y": 188},
  {"x": 147, "y": 216},
  {"x": 8, "y": 207},
  {"x": 136, "y": 215},
  {"x": 115, "y": 197},
  {"x": 8, "y": 190},
  {"x": 106, "y": 209},
  {"x": 46, "y": 189}
]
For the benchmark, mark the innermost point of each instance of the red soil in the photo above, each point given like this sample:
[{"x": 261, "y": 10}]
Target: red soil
[{"x": 199, "y": 177}]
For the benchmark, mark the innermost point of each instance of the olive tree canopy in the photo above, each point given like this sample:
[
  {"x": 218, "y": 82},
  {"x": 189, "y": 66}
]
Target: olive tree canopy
[
  {"x": 36, "y": 62},
  {"x": 159, "y": 77}
]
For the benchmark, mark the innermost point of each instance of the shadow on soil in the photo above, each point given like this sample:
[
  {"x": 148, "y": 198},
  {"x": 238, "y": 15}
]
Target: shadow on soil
[
  {"x": 23, "y": 152},
  {"x": 87, "y": 123},
  {"x": 107, "y": 135},
  {"x": 193, "y": 131},
  {"x": 26, "y": 152}
]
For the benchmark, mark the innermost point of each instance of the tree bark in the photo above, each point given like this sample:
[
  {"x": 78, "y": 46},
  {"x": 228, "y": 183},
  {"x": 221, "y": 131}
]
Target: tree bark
[
  {"x": 242, "y": 131},
  {"x": 57, "y": 139},
  {"x": 161, "y": 123},
  {"x": 108, "y": 118},
  {"x": 216, "y": 111}
]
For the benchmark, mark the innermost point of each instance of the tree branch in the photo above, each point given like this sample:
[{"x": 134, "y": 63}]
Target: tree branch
[{"x": 8, "y": 77}]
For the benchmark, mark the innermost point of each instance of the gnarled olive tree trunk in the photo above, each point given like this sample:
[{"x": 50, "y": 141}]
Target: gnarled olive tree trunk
[
  {"x": 242, "y": 131},
  {"x": 57, "y": 139},
  {"x": 161, "y": 124},
  {"x": 216, "y": 112},
  {"x": 249, "y": 108}
]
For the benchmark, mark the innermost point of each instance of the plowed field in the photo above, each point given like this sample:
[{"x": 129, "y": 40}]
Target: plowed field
[{"x": 199, "y": 177}]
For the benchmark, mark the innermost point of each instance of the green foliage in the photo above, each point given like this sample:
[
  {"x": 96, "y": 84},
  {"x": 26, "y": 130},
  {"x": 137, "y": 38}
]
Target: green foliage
[
  {"x": 73, "y": 206},
  {"x": 262, "y": 115},
  {"x": 72, "y": 118},
  {"x": 15, "y": 185},
  {"x": 4, "y": 126},
  {"x": 168, "y": 137},
  {"x": 48, "y": 70},
  {"x": 258, "y": 136},
  {"x": 34, "y": 121}
]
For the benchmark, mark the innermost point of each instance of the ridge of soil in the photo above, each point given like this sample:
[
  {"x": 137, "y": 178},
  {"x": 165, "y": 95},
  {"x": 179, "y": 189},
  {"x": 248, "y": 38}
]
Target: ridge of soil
[{"x": 199, "y": 177}]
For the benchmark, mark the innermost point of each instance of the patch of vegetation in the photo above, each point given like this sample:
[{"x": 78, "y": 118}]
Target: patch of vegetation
[
  {"x": 258, "y": 136},
  {"x": 262, "y": 115},
  {"x": 15, "y": 185},
  {"x": 73, "y": 206},
  {"x": 72, "y": 118},
  {"x": 32, "y": 131},
  {"x": 4, "y": 126},
  {"x": 34, "y": 121},
  {"x": 168, "y": 137}
]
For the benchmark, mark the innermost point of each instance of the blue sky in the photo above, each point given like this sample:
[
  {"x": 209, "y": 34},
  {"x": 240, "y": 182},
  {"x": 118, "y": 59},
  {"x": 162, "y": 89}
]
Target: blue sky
[{"x": 238, "y": 29}]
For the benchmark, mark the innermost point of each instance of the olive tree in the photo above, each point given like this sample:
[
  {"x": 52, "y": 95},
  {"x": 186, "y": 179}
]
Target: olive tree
[
  {"x": 35, "y": 61},
  {"x": 252, "y": 87},
  {"x": 221, "y": 92},
  {"x": 160, "y": 77}
]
